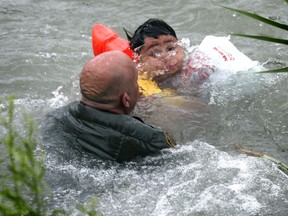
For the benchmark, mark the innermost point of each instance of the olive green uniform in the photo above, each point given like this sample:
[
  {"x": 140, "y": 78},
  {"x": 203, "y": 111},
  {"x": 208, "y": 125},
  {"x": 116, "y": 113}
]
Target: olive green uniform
[{"x": 111, "y": 136}]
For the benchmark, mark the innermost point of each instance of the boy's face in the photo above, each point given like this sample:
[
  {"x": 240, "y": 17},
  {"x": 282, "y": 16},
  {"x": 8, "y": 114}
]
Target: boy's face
[{"x": 160, "y": 58}]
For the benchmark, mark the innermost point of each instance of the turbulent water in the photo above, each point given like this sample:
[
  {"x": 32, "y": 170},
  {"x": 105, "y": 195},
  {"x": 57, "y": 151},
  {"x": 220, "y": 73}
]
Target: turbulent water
[{"x": 44, "y": 45}]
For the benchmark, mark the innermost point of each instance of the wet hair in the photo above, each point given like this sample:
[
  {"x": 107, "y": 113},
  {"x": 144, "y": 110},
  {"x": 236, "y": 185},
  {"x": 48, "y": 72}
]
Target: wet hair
[{"x": 151, "y": 28}]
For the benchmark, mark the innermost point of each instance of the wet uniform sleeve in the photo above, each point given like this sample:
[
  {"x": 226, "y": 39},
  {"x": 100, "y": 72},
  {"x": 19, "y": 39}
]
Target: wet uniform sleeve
[{"x": 132, "y": 147}]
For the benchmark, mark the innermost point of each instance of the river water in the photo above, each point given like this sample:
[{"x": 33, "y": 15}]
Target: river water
[{"x": 44, "y": 45}]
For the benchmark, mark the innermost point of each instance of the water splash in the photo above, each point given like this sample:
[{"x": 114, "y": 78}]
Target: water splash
[
  {"x": 59, "y": 98},
  {"x": 194, "y": 179}
]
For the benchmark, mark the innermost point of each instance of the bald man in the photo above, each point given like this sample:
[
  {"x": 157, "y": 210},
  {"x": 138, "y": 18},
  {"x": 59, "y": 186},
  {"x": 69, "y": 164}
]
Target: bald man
[
  {"x": 109, "y": 82},
  {"x": 100, "y": 122}
]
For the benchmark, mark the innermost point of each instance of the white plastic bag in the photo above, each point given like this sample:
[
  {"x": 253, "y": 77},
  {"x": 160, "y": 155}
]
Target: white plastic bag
[{"x": 225, "y": 56}]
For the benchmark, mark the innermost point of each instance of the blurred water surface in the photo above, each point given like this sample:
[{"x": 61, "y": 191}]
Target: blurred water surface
[{"x": 44, "y": 45}]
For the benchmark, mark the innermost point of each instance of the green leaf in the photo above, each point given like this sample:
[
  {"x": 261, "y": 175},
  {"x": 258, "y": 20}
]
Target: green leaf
[
  {"x": 279, "y": 70},
  {"x": 265, "y": 38},
  {"x": 259, "y": 18}
]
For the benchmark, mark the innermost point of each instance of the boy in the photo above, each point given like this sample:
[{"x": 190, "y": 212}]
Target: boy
[{"x": 160, "y": 57}]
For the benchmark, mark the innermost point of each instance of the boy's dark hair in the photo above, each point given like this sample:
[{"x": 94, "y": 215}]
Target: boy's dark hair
[{"x": 151, "y": 28}]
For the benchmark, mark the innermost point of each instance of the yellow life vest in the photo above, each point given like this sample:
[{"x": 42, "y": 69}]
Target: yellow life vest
[{"x": 150, "y": 88}]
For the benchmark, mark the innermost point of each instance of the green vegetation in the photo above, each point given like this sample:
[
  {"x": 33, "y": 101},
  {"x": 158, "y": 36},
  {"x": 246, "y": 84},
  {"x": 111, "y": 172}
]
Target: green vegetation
[
  {"x": 261, "y": 37},
  {"x": 22, "y": 168},
  {"x": 22, "y": 182},
  {"x": 281, "y": 26}
]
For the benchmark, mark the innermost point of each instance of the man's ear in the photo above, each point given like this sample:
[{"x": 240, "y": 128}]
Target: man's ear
[{"x": 126, "y": 100}]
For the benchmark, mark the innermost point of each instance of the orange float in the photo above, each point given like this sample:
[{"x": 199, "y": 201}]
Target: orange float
[{"x": 106, "y": 39}]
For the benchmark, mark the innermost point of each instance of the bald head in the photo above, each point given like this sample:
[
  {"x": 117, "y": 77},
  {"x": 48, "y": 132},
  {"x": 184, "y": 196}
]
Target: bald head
[{"x": 106, "y": 77}]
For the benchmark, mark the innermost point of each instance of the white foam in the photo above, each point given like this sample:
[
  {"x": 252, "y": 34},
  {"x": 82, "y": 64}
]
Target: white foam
[{"x": 59, "y": 98}]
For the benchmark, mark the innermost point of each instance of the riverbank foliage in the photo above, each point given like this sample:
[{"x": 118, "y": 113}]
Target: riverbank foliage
[
  {"x": 23, "y": 190},
  {"x": 267, "y": 38},
  {"x": 272, "y": 39}
]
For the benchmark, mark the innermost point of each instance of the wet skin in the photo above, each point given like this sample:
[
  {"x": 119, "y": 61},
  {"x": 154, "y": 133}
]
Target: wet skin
[{"x": 160, "y": 58}]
